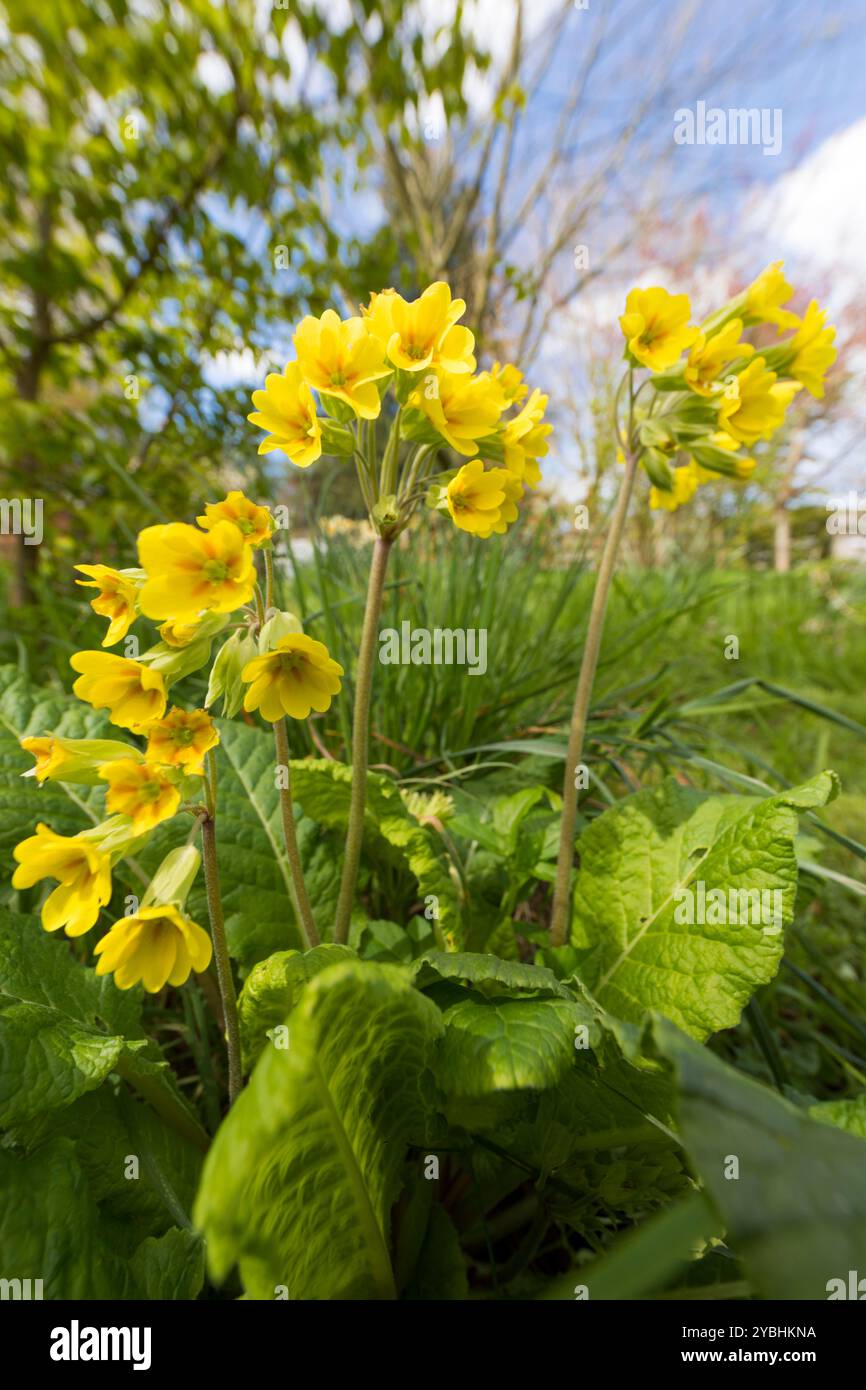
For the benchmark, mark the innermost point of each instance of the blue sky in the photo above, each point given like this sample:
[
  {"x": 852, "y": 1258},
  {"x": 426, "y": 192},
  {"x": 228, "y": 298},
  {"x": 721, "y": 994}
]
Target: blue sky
[{"x": 805, "y": 59}]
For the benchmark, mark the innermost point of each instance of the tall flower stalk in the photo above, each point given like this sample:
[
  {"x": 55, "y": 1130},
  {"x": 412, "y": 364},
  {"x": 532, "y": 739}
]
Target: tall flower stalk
[
  {"x": 222, "y": 959},
  {"x": 583, "y": 696},
  {"x": 330, "y": 400},
  {"x": 688, "y": 430},
  {"x": 361, "y": 736},
  {"x": 301, "y": 898}
]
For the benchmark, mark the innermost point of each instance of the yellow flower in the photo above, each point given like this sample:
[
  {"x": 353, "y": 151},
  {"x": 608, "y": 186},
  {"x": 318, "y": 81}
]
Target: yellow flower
[
  {"x": 190, "y": 570},
  {"x": 462, "y": 409},
  {"x": 513, "y": 489},
  {"x": 340, "y": 358},
  {"x": 514, "y": 388},
  {"x": 158, "y": 945},
  {"x": 181, "y": 739},
  {"x": 295, "y": 676},
  {"x": 378, "y": 315},
  {"x": 756, "y": 409},
  {"x": 479, "y": 500},
  {"x": 710, "y": 355},
  {"x": 425, "y": 332},
  {"x": 253, "y": 522},
  {"x": 813, "y": 349},
  {"x": 73, "y": 759},
  {"x": 140, "y": 791},
  {"x": 686, "y": 481},
  {"x": 656, "y": 327},
  {"x": 525, "y": 439},
  {"x": 116, "y": 599},
  {"x": 178, "y": 634},
  {"x": 84, "y": 871},
  {"x": 131, "y": 692},
  {"x": 287, "y": 410},
  {"x": 766, "y": 295}
]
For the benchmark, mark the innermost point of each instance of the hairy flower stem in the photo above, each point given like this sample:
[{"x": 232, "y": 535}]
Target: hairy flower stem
[
  {"x": 361, "y": 736},
  {"x": 260, "y": 606},
  {"x": 561, "y": 915},
  {"x": 270, "y": 590},
  {"x": 221, "y": 955},
  {"x": 391, "y": 456},
  {"x": 301, "y": 897}
]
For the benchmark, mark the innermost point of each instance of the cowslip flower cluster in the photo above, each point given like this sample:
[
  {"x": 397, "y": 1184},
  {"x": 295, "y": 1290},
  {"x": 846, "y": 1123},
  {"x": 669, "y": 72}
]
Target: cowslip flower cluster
[
  {"x": 188, "y": 581},
  {"x": 714, "y": 394},
  {"x": 329, "y": 399}
]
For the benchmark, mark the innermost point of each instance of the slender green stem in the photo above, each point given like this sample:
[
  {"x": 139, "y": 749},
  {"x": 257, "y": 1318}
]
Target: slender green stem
[
  {"x": 413, "y": 469},
  {"x": 220, "y": 944},
  {"x": 303, "y": 911},
  {"x": 371, "y": 448},
  {"x": 361, "y": 736},
  {"x": 269, "y": 577},
  {"x": 560, "y": 918},
  {"x": 364, "y": 482},
  {"x": 390, "y": 456},
  {"x": 260, "y": 605}
]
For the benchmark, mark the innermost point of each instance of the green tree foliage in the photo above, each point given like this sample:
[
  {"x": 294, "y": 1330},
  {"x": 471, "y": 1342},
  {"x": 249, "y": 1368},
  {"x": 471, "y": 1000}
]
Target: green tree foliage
[{"x": 159, "y": 197}]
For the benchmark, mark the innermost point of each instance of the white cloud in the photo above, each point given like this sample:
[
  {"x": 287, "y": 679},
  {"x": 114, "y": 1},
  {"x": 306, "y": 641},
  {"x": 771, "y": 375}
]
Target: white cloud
[{"x": 816, "y": 214}]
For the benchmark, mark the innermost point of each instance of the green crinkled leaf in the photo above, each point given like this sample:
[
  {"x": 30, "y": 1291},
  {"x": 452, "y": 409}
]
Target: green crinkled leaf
[
  {"x": 51, "y": 1228},
  {"x": 47, "y": 1060},
  {"x": 796, "y": 1212},
  {"x": 62, "y": 1029},
  {"x": 170, "y": 1268},
  {"x": 324, "y": 788},
  {"x": 39, "y": 967},
  {"x": 254, "y": 872},
  {"x": 272, "y": 988},
  {"x": 108, "y": 1126},
  {"x": 390, "y": 942},
  {"x": 498, "y": 1047},
  {"x": 300, "y": 1181},
  {"x": 635, "y": 857},
  {"x": 489, "y": 975}
]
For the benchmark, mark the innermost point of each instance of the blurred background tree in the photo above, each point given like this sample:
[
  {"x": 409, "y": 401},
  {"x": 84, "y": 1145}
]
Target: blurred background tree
[{"x": 159, "y": 200}]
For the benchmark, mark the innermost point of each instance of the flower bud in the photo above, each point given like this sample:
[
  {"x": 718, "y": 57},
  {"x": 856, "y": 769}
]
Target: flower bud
[
  {"x": 225, "y": 677},
  {"x": 277, "y": 625},
  {"x": 658, "y": 469},
  {"x": 174, "y": 663},
  {"x": 718, "y": 460},
  {"x": 174, "y": 877},
  {"x": 73, "y": 759},
  {"x": 385, "y": 512}
]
